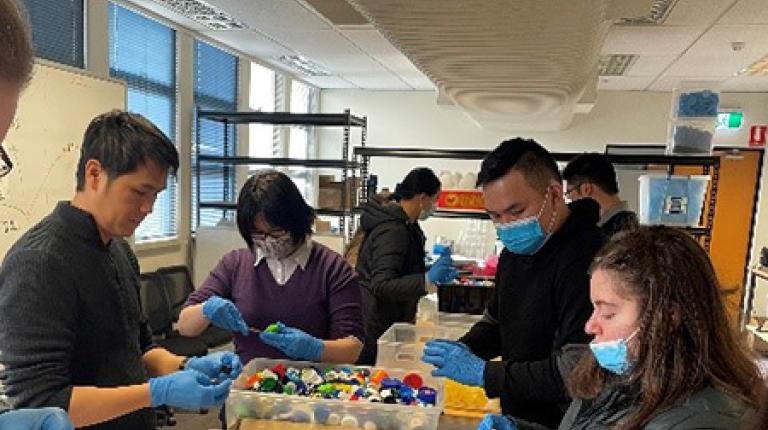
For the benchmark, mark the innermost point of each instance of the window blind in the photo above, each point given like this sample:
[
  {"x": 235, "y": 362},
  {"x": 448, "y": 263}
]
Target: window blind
[{"x": 142, "y": 52}]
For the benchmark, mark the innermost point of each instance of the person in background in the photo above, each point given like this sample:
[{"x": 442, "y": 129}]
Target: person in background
[
  {"x": 283, "y": 275},
  {"x": 72, "y": 334},
  {"x": 663, "y": 354},
  {"x": 541, "y": 300},
  {"x": 390, "y": 263},
  {"x": 593, "y": 176}
]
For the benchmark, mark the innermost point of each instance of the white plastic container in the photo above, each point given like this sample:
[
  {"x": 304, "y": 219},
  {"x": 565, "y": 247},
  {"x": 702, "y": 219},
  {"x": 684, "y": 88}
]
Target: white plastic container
[
  {"x": 403, "y": 345},
  {"x": 672, "y": 199},
  {"x": 691, "y": 136},
  {"x": 243, "y": 403}
]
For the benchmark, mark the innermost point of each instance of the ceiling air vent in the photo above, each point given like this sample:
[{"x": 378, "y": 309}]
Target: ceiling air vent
[
  {"x": 303, "y": 65},
  {"x": 615, "y": 65},
  {"x": 204, "y": 14},
  {"x": 659, "y": 12}
]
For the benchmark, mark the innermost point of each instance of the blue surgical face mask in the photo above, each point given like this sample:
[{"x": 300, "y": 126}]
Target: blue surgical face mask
[
  {"x": 524, "y": 236},
  {"x": 613, "y": 355}
]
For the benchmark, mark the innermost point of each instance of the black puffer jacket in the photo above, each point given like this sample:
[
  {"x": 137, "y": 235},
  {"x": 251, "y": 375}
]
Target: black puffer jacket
[{"x": 391, "y": 271}]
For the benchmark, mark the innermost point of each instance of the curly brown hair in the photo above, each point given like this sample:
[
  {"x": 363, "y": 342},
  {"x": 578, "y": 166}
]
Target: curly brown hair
[
  {"x": 684, "y": 342},
  {"x": 15, "y": 44}
]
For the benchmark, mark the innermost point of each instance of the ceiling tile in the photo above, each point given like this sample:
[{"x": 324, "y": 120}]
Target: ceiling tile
[
  {"x": 746, "y": 84},
  {"x": 649, "y": 40},
  {"x": 623, "y": 83},
  {"x": 669, "y": 83},
  {"x": 649, "y": 65},
  {"x": 747, "y": 12},
  {"x": 713, "y": 56},
  {"x": 273, "y": 15},
  {"x": 697, "y": 13}
]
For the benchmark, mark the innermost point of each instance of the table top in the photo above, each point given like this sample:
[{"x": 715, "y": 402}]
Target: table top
[{"x": 447, "y": 422}]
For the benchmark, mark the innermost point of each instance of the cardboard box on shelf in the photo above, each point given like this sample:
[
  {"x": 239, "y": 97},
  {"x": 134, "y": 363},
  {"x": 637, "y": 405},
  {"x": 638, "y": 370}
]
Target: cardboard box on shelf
[
  {"x": 326, "y": 180},
  {"x": 329, "y": 194},
  {"x": 322, "y": 226}
]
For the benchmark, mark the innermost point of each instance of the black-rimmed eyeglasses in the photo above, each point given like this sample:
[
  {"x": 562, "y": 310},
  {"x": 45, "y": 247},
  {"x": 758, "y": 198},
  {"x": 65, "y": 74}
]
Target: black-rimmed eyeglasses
[{"x": 6, "y": 165}]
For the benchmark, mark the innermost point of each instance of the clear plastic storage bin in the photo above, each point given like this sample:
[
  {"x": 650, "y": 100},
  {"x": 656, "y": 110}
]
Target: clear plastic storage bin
[
  {"x": 243, "y": 403},
  {"x": 403, "y": 345},
  {"x": 691, "y": 136},
  {"x": 696, "y": 99},
  {"x": 672, "y": 199}
]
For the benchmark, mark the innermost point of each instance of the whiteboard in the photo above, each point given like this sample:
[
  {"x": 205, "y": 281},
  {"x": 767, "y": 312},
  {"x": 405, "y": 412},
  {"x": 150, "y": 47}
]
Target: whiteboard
[{"x": 44, "y": 143}]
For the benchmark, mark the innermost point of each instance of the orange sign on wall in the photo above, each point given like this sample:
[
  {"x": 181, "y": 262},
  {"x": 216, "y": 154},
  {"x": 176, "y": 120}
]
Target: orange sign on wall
[{"x": 467, "y": 200}]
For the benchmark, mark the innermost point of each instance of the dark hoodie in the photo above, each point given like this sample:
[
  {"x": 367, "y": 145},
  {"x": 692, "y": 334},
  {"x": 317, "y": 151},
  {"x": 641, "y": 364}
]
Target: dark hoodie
[
  {"x": 391, "y": 270},
  {"x": 541, "y": 303}
]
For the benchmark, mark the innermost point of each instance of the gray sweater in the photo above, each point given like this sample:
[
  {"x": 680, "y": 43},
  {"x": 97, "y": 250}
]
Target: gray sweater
[{"x": 71, "y": 316}]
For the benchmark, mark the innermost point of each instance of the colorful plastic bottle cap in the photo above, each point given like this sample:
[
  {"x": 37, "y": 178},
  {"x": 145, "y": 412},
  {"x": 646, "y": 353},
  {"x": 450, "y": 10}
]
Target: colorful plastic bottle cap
[
  {"x": 378, "y": 376},
  {"x": 427, "y": 395},
  {"x": 413, "y": 380},
  {"x": 390, "y": 383}
]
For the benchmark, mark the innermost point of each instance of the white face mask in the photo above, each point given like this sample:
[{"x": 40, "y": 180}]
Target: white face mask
[{"x": 275, "y": 247}]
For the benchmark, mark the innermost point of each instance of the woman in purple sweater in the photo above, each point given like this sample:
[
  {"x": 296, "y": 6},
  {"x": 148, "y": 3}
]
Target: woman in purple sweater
[{"x": 283, "y": 275}]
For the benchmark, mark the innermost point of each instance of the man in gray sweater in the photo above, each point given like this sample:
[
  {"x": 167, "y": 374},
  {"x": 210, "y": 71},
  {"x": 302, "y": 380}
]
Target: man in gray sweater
[{"x": 72, "y": 334}]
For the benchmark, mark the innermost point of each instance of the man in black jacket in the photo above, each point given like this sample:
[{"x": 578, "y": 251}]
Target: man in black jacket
[
  {"x": 542, "y": 288},
  {"x": 593, "y": 176}
]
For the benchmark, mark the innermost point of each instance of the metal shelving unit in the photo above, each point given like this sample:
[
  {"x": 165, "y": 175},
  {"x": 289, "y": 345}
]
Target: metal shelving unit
[
  {"x": 710, "y": 166},
  {"x": 345, "y": 163}
]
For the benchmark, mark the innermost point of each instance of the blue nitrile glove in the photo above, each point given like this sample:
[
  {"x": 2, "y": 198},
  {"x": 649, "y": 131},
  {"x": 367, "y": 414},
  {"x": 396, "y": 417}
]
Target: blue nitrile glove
[
  {"x": 188, "y": 389},
  {"x": 442, "y": 271},
  {"x": 454, "y": 360},
  {"x": 496, "y": 422},
  {"x": 219, "y": 365},
  {"x": 294, "y": 343},
  {"x": 223, "y": 313},
  {"x": 36, "y": 419}
]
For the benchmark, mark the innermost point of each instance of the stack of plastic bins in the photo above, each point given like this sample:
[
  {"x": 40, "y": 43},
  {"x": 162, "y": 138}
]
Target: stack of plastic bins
[
  {"x": 247, "y": 404},
  {"x": 403, "y": 345},
  {"x": 672, "y": 199},
  {"x": 694, "y": 117}
]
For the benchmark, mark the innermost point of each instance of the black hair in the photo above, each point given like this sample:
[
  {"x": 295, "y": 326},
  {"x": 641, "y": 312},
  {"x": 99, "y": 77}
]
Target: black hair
[
  {"x": 122, "y": 141},
  {"x": 592, "y": 167},
  {"x": 417, "y": 181},
  {"x": 525, "y": 155},
  {"x": 274, "y": 195}
]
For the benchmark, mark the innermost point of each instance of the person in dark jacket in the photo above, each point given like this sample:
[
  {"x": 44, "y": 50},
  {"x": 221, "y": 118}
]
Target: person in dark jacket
[
  {"x": 541, "y": 301},
  {"x": 663, "y": 356},
  {"x": 390, "y": 263},
  {"x": 593, "y": 176}
]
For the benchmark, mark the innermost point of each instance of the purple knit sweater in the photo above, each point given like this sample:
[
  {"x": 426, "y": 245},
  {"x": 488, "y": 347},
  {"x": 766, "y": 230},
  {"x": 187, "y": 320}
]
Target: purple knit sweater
[{"x": 323, "y": 300}]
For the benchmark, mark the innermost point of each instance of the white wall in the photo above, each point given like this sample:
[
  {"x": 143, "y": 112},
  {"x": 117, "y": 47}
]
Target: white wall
[{"x": 412, "y": 119}]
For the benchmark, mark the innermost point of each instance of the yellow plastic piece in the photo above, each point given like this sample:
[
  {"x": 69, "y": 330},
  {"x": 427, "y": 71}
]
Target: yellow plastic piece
[{"x": 462, "y": 400}]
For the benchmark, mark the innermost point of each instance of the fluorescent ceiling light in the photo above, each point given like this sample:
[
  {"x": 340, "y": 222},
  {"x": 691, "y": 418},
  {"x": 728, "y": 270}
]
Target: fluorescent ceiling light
[
  {"x": 201, "y": 12},
  {"x": 615, "y": 65},
  {"x": 758, "y": 68},
  {"x": 303, "y": 65}
]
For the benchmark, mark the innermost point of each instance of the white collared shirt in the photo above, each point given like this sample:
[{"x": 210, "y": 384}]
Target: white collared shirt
[{"x": 282, "y": 269}]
